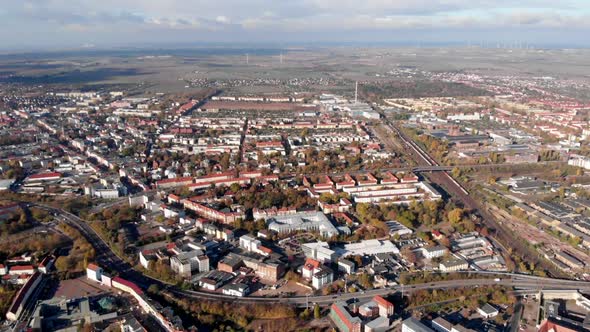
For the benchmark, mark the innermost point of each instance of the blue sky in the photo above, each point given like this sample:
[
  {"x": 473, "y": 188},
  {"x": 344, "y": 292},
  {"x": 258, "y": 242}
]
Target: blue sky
[{"x": 54, "y": 24}]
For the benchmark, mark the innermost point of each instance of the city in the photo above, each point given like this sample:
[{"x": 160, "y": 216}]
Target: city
[{"x": 309, "y": 188}]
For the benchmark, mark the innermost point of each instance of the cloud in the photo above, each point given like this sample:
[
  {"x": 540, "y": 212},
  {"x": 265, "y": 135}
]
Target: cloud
[
  {"x": 222, "y": 19},
  {"x": 124, "y": 20}
]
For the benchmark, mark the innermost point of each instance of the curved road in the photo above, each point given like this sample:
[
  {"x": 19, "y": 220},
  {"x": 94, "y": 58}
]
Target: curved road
[{"x": 107, "y": 258}]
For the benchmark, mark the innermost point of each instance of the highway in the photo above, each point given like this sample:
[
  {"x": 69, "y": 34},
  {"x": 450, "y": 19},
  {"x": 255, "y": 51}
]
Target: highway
[{"x": 105, "y": 257}]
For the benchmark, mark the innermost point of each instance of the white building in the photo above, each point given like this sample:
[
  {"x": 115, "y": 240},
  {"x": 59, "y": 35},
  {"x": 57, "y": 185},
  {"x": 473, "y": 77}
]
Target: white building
[
  {"x": 303, "y": 221},
  {"x": 413, "y": 325},
  {"x": 452, "y": 265},
  {"x": 249, "y": 243},
  {"x": 579, "y": 161},
  {"x": 322, "y": 277},
  {"x": 94, "y": 272},
  {"x": 346, "y": 266},
  {"x": 188, "y": 262},
  {"x": 319, "y": 251},
  {"x": 396, "y": 228},
  {"x": 441, "y": 325},
  {"x": 145, "y": 257},
  {"x": 433, "y": 252},
  {"x": 368, "y": 247},
  {"x": 488, "y": 311},
  {"x": 239, "y": 289}
]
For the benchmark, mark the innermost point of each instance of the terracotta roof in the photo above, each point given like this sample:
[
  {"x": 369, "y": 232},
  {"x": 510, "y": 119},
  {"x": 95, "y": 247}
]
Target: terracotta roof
[
  {"x": 22, "y": 268},
  {"x": 45, "y": 175},
  {"x": 311, "y": 264},
  {"x": 92, "y": 267},
  {"x": 381, "y": 301},
  {"x": 129, "y": 284}
]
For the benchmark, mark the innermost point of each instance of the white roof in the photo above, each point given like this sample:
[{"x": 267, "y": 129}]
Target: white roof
[{"x": 369, "y": 247}]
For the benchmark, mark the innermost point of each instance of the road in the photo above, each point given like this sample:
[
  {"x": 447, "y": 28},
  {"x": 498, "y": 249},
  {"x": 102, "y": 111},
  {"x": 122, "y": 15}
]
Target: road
[
  {"x": 514, "y": 324},
  {"x": 105, "y": 257}
]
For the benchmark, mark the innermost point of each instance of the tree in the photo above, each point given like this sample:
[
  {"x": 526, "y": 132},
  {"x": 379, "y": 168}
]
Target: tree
[
  {"x": 153, "y": 289},
  {"x": 409, "y": 255},
  {"x": 317, "y": 314},
  {"x": 304, "y": 314},
  {"x": 365, "y": 280},
  {"x": 455, "y": 216}
]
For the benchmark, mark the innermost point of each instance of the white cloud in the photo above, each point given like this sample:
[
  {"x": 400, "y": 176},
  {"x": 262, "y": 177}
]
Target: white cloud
[
  {"x": 222, "y": 19},
  {"x": 128, "y": 19}
]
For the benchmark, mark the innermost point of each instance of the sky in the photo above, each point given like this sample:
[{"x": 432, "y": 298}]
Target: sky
[{"x": 56, "y": 24}]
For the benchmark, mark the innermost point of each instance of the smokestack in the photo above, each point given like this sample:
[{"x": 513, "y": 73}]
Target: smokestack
[{"x": 356, "y": 92}]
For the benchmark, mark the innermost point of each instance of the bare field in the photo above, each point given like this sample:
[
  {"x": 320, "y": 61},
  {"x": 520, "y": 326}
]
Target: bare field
[{"x": 171, "y": 71}]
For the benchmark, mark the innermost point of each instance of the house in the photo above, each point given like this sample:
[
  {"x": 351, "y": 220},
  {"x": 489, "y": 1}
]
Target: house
[
  {"x": 311, "y": 265},
  {"x": 437, "y": 235},
  {"x": 487, "y": 311}
]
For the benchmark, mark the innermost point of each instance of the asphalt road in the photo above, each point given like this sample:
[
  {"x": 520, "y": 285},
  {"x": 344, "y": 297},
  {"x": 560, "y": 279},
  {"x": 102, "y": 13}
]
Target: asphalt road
[{"x": 105, "y": 257}]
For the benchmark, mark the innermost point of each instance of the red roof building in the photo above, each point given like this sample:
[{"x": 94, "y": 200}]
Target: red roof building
[{"x": 45, "y": 176}]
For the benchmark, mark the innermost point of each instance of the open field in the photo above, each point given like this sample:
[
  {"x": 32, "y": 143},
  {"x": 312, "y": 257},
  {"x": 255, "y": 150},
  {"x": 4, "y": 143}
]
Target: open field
[{"x": 262, "y": 70}]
